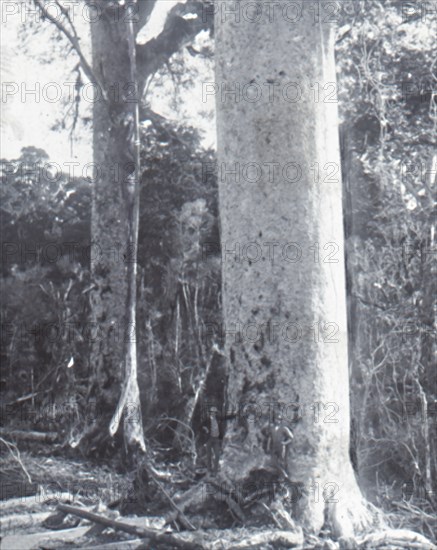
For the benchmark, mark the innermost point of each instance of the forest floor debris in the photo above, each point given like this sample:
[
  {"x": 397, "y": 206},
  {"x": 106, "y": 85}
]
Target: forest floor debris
[{"x": 75, "y": 503}]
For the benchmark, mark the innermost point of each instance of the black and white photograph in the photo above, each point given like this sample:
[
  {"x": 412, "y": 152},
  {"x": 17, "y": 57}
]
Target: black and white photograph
[{"x": 219, "y": 274}]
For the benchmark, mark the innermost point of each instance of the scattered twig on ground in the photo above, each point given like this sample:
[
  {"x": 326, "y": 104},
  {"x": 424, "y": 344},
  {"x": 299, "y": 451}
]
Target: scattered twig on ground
[{"x": 13, "y": 449}]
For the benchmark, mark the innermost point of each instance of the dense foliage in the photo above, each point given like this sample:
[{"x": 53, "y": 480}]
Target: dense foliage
[{"x": 388, "y": 143}]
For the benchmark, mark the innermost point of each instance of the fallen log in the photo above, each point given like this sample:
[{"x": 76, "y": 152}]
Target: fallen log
[
  {"x": 151, "y": 534},
  {"x": 395, "y": 538},
  {"x": 20, "y": 522},
  {"x": 36, "y": 540},
  {"x": 281, "y": 539},
  {"x": 45, "y": 437},
  {"x": 120, "y": 545},
  {"x": 217, "y": 539},
  {"x": 33, "y": 502},
  {"x": 102, "y": 520}
]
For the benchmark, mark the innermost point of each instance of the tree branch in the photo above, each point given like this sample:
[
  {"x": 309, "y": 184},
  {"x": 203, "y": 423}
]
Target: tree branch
[
  {"x": 74, "y": 41},
  {"x": 142, "y": 13},
  {"x": 177, "y": 33},
  {"x": 66, "y": 14}
]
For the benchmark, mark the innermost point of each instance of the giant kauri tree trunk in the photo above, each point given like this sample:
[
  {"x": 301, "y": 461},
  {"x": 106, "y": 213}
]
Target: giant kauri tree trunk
[{"x": 292, "y": 346}]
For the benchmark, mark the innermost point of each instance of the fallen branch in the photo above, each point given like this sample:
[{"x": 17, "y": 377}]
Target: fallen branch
[
  {"x": 189, "y": 497},
  {"x": 96, "y": 518},
  {"x": 183, "y": 518},
  {"x": 13, "y": 449},
  {"x": 36, "y": 540},
  {"x": 24, "y": 398},
  {"x": 396, "y": 538},
  {"x": 46, "y": 437},
  {"x": 31, "y": 503},
  {"x": 120, "y": 545},
  {"x": 411, "y": 509},
  {"x": 151, "y": 534},
  {"x": 25, "y": 520},
  {"x": 281, "y": 539}
]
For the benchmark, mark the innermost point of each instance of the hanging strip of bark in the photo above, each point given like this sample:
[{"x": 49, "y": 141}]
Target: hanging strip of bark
[
  {"x": 152, "y": 363},
  {"x": 176, "y": 345},
  {"x": 426, "y": 438},
  {"x": 200, "y": 389},
  {"x": 133, "y": 427}
]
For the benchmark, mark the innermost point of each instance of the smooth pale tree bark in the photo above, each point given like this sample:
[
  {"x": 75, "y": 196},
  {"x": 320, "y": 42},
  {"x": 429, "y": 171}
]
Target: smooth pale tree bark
[{"x": 278, "y": 299}]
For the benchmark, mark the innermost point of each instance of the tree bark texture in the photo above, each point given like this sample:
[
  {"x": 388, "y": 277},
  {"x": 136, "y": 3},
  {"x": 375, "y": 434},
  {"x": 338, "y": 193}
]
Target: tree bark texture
[{"x": 288, "y": 308}]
